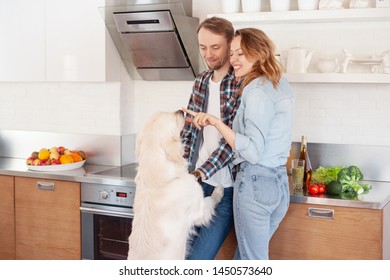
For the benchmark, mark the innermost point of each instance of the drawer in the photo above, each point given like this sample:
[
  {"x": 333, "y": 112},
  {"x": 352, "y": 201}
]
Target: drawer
[{"x": 348, "y": 233}]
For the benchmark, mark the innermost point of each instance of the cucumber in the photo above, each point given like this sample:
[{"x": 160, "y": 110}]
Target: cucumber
[{"x": 334, "y": 187}]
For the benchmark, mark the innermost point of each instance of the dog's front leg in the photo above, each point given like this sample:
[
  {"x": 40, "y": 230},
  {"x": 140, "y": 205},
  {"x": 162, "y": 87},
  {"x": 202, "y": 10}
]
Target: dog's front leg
[{"x": 209, "y": 206}]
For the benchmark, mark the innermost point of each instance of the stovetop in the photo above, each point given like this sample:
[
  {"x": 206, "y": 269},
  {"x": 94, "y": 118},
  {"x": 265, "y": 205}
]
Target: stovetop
[{"x": 122, "y": 172}]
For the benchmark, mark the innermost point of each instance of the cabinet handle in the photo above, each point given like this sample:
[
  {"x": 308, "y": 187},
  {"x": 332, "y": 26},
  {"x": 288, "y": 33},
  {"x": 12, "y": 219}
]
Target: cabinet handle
[
  {"x": 320, "y": 213},
  {"x": 45, "y": 186}
]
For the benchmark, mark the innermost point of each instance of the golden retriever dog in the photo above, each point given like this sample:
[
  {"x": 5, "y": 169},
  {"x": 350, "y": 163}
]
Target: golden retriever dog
[{"x": 168, "y": 202}]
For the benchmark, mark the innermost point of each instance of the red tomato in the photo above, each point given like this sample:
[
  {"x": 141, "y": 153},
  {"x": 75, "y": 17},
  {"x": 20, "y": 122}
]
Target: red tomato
[
  {"x": 321, "y": 188},
  {"x": 313, "y": 189}
]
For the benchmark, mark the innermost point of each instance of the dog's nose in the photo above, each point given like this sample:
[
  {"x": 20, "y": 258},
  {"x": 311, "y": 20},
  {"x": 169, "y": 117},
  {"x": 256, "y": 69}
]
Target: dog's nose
[{"x": 180, "y": 112}]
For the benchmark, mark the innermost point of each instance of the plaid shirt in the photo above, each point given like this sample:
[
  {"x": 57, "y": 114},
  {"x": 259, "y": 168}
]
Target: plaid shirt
[{"x": 223, "y": 155}]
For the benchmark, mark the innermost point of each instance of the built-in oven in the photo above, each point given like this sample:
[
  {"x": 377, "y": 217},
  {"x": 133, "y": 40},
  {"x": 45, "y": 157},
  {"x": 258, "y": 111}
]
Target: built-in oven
[{"x": 107, "y": 215}]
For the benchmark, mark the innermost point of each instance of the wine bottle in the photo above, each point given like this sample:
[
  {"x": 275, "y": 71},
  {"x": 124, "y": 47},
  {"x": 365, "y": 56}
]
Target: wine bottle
[{"x": 304, "y": 154}]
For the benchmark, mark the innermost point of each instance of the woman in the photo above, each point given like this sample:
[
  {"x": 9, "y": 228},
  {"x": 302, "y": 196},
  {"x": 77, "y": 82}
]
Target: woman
[{"x": 261, "y": 139}]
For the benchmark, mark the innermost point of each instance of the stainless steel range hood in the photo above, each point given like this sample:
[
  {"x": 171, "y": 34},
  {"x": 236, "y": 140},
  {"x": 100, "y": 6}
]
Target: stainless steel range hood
[{"x": 157, "y": 42}]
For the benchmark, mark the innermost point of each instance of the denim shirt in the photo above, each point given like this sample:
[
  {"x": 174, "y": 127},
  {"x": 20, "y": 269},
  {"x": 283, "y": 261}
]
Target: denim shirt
[{"x": 264, "y": 123}]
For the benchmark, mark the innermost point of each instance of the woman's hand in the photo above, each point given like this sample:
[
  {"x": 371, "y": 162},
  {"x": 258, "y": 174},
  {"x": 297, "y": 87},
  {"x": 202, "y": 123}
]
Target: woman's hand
[{"x": 201, "y": 119}]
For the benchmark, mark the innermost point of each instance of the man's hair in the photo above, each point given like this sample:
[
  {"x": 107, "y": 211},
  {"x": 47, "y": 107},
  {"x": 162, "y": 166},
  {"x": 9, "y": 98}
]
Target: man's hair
[{"x": 218, "y": 26}]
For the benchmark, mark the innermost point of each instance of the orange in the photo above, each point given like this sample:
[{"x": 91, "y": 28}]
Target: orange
[
  {"x": 64, "y": 159},
  {"x": 76, "y": 157}
]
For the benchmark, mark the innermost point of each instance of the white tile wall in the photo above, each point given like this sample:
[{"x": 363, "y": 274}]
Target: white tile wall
[
  {"x": 159, "y": 96},
  {"x": 90, "y": 108},
  {"x": 343, "y": 113}
]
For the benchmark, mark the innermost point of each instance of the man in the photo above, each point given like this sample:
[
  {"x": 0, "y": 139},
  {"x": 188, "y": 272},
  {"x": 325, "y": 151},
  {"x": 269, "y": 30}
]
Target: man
[{"x": 209, "y": 155}]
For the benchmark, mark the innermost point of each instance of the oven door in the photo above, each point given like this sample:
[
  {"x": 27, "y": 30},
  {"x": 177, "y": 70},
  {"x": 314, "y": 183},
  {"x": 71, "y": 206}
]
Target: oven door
[{"x": 105, "y": 231}]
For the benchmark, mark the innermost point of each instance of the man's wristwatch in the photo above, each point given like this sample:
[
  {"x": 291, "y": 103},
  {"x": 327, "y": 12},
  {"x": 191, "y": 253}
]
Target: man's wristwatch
[{"x": 197, "y": 175}]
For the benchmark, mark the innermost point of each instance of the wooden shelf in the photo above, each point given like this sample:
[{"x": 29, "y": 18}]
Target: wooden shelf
[
  {"x": 361, "y": 78},
  {"x": 338, "y": 15}
]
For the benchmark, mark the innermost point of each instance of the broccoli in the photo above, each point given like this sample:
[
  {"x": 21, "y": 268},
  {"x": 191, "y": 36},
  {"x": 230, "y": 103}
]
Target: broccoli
[
  {"x": 355, "y": 173},
  {"x": 349, "y": 177}
]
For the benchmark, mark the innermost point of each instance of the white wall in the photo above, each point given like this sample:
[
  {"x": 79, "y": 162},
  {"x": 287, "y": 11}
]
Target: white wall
[{"x": 86, "y": 108}]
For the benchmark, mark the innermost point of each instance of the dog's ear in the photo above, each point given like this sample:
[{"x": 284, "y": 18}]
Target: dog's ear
[{"x": 173, "y": 149}]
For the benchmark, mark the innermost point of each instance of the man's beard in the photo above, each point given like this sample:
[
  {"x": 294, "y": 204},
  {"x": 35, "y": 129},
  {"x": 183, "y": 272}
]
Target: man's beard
[{"x": 218, "y": 64}]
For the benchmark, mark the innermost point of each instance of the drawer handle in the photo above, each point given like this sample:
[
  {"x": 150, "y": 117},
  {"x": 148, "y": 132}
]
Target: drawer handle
[
  {"x": 45, "y": 186},
  {"x": 321, "y": 213}
]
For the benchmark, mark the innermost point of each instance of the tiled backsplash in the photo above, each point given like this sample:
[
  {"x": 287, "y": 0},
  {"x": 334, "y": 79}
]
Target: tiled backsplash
[
  {"x": 91, "y": 108},
  {"x": 326, "y": 113}
]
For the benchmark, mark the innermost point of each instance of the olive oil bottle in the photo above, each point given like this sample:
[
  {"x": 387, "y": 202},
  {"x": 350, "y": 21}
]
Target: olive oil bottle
[{"x": 304, "y": 154}]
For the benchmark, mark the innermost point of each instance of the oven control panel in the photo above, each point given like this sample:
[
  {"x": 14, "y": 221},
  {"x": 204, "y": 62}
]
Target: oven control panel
[{"x": 107, "y": 194}]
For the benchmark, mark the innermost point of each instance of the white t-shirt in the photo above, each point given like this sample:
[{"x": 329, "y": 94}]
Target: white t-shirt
[{"x": 211, "y": 138}]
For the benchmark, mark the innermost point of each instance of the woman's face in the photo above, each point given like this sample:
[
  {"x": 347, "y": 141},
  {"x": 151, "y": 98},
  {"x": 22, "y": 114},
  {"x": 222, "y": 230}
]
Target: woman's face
[{"x": 238, "y": 60}]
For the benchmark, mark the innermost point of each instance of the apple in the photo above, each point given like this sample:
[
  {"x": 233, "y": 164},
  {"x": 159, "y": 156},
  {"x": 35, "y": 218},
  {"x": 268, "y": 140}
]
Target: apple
[
  {"x": 35, "y": 154},
  {"x": 61, "y": 150},
  {"x": 53, "y": 149},
  {"x": 30, "y": 160},
  {"x": 43, "y": 162},
  {"x": 54, "y": 155},
  {"x": 55, "y": 161},
  {"x": 36, "y": 162},
  {"x": 67, "y": 152}
]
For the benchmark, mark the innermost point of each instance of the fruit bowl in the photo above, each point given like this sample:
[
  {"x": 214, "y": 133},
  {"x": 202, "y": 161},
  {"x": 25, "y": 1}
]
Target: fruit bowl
[
  {"x": 56, "y": 159},
  {"x": 57, "y": 167}
]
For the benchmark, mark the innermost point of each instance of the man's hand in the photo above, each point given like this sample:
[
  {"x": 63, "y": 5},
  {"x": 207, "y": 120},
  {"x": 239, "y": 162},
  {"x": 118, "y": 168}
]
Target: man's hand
[{"x": 199, "y": 176}]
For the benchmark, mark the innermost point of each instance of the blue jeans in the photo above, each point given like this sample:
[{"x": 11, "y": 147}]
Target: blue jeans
[
  {"x": 206, "y": 243},
  {"x": 261, "y": 200}
]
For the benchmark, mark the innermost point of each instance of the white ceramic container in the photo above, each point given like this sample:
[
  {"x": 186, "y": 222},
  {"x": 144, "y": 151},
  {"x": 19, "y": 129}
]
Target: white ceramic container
[
  {"x": 231, "y": 6},
  {"x": 250, "y": 6},
  {"x": 280, "y": 5},
  {"x": 304, "y": 5},
  {"x": 325, "y": 65}
]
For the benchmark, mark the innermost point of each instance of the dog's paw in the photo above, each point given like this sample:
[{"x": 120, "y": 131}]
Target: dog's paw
[{"x": 217, "y": 194}]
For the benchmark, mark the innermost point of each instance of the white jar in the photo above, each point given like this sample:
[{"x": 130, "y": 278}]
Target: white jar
[
  {"x": 327, "y": 65},
  {"x": 250, "y": 6},
  {"x": 280, "y": 5},
  {"x": 231, "y": 6},
  {"x": 304, "y": 5}
]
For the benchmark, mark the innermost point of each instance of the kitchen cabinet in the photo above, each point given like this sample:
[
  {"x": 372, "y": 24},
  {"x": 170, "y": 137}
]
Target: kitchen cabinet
[
  {"x": 75, "y": 41},
  {"x": 353, "y": 234},
  {"x": 348, "y": 28},
  {"x": 55, "y": 41},
  {"x": 7, "y": 216},
  {"x": 22, "y": 48},
  {"x": 47, "y": 219}
]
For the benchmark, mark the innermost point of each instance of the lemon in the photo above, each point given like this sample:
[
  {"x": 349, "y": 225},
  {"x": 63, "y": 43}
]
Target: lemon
[{"x": 43, "y": 154}]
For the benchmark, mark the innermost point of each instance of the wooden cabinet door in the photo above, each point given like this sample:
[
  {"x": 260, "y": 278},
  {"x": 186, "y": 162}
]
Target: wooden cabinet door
[
  {"x": 75, "y": 49},
  {"x": 22, "y": 48},
  {"x": 354, "y": 233},
  {"x": 7, "y": 218},
  {"x": 47, "y": 220}
]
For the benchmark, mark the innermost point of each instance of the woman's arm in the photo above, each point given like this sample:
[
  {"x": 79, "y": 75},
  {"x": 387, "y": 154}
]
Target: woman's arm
[{"x": 202, "y": 119}]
